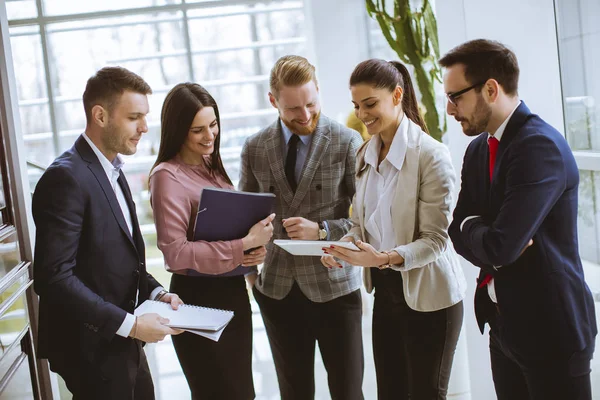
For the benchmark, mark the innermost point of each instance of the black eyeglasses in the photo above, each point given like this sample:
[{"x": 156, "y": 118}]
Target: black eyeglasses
[{"x": 453, "y": 96}]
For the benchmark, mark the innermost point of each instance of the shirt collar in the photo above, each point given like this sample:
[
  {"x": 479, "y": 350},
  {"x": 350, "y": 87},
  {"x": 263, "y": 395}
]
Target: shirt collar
[
  {"x": 500, "y": 131},
  {"x": 287, "y": 135},
  {"x": 397, "y": 151},
  {"x": 107, "y": 165}
]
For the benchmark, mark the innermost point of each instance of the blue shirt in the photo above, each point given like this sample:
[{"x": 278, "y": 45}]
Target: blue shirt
[{"x": 301, "y": 150}]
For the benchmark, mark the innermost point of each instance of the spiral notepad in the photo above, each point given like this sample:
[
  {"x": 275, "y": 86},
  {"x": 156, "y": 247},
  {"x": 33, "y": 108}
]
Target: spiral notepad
[{"x": 188, "y": 316}]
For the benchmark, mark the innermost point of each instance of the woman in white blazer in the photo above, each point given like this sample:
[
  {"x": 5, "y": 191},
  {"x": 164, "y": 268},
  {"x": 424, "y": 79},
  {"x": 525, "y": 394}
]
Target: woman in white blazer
[{"x": 401, "y": 213}]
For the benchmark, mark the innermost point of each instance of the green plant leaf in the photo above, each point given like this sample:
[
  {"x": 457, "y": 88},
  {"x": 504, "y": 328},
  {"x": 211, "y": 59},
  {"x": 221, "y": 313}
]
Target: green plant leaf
[{"x": 431, "y": 27}]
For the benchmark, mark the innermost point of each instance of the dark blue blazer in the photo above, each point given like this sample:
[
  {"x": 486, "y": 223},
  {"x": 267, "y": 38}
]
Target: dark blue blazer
[
  {"x": 543, "y": 299},
  {"x": 87, "y": 266}
]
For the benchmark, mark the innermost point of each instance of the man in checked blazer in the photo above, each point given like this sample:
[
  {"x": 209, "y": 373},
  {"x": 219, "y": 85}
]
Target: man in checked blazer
[{"x": 307, "y": 160}]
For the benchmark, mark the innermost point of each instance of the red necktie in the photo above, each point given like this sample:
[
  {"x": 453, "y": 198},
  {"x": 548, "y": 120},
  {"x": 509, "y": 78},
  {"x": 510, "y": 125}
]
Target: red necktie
[{"x": 493, "y": 147}]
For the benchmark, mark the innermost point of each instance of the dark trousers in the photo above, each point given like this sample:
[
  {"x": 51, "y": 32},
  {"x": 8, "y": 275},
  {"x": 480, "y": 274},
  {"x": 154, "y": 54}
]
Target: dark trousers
[
  {"x": 295, "y": 323},
  {"x": 413, "y": 351},
  {"x": 118, "y": 372},
  {"x": 223, "y": 369},
  {"x": 537, "y": 376}
]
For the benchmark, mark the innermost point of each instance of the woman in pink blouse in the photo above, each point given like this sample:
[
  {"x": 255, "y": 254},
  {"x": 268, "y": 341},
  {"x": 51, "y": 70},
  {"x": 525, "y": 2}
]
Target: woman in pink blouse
[{"x": 209, "y": 274}]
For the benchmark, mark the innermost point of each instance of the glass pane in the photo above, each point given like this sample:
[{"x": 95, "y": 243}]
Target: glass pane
[
  {"x": 235, "y": 132},
  {"x": 13, "y": 321},
  {"x": 579, "y": 64},
  {"x": 21, "y": 9},
  {"x": 215, "y": 32},
  {"x": 269, "y": 55},
  {"x": 10, "y": 256},
  {"x": 19, "y": 387},
  {"x": 223, "y": 65},
  {"x": 27, "y": 56},
  {"x": 280, "y": 25},
  {"x": 133, "y": 42},
  {"x": 37, "y": 133},
  {"x": 67, "y": 7},
  {"x": 588, "y": 232},
  {"x": 237, "y": 98}
]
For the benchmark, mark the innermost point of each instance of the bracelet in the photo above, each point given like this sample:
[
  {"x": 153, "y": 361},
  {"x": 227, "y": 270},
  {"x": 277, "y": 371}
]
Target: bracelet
[
  {"x": 389, "y": 261},
  {"x": 134, "y": 328},
  {"x": 160, "y": 295}
]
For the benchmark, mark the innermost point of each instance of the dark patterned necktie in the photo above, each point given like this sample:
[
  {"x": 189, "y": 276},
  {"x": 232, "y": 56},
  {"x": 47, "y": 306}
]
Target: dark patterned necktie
[{"x": 290, "y": 162}]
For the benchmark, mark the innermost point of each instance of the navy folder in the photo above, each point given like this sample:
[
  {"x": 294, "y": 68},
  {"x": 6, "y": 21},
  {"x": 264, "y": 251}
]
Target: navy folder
[{"x": 225, "y": 214}]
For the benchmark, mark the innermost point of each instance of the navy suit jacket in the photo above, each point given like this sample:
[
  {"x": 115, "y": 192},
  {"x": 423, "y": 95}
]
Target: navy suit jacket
[
  {"x": 542, "y": 296},
  {"x": 87, "y": 266}
]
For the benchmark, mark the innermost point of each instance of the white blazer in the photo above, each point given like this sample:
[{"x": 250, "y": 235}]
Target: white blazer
[{"x": 432, "y": 276}]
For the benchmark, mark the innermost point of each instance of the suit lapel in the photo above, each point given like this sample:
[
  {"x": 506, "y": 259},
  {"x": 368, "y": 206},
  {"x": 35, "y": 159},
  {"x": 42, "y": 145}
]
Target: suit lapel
[
  {"x": 318, "y": 148},
  {"x": 95, "y": 167},
  {"x": 273, "y": 148},
  {"x": 517, "y": 120}
]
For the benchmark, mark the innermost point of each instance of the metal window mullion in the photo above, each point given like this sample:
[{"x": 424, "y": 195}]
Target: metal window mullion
[
  {"x": 587, "y": 160},
  {"x": 128, "y": 11},
  {"x": 257, "y": 61},
  {"x": 188, "y": 45},
  {"x": 212, "y": 50},
  {"x": 49, "y": 90}
]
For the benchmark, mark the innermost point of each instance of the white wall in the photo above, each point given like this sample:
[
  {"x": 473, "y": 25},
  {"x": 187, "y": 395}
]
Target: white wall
[
  {"x": 528, "y": 28},
  {"x": 339, "y": 37}
]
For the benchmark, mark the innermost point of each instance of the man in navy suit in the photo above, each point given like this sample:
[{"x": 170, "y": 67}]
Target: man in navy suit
[
  {"x": 516, "y": 219},
  {"x": 89, "y": 265}
]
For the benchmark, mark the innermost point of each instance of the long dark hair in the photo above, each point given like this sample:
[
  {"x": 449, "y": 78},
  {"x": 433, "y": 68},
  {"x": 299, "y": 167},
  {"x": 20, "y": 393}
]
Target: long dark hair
[
  {"x": 387, "y": 75},
  {"x": 178, "y": 112}
]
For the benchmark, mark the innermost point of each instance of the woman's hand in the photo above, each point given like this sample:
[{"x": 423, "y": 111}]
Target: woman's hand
[
  {"x": 255, "y": 257},
  {"x": 259, "y": 234},
  {"x": 330, "y": 262},
  {"x": 367, "y": 256}
]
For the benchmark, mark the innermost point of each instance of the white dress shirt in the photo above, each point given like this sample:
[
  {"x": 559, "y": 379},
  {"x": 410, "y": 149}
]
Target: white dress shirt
[
  {"x": 112, "y": 169},
  {"x": 381, "y": 185},
  {"x": 498, "y": 135}
]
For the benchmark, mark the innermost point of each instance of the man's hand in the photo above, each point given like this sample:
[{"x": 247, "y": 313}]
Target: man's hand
[
  {"x": 151, "y": 328},
  {"x": 299, "y": 228},
  {"x": 255, "y": 257},
  {"x": 172, "y": 299}
]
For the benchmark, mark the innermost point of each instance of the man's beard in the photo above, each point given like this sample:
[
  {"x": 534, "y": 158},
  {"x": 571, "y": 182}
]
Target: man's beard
[
  {"x": 114, "y": 141},
  {"x": 303, "y": 130},
  {"x": 480, "y": 119}
]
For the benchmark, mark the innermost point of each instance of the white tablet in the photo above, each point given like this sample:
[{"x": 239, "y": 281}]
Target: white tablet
[{"x": 310, "y": 247}]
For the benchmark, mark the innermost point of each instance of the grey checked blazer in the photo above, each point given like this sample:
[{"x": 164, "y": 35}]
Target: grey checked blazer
[{"x": 324, "y": 193}]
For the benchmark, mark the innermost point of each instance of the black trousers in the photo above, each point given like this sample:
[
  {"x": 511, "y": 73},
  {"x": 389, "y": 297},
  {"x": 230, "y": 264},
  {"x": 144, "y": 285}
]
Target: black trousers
[
  {"x": 413, "y": 351},
  {"x": 295, "y": 324},
  {"x": 120, "y": 372},
  {"x": 519, "y": 375},
  {"x": 223, "y": 369}
]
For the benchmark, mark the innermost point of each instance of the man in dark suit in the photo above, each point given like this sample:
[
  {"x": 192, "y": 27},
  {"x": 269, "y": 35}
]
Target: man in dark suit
[
  {"x": 89, "y": 265},
  {"x": 516, "y": 219},
  {"x": 307, "y": 160}
]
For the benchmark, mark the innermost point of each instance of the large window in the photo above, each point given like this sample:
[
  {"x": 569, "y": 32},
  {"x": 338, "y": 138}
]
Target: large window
[
  {"x": 226, "y": 46},
  {"x": 579, "y": 64},
  {"x": 578, "y": 36}
]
